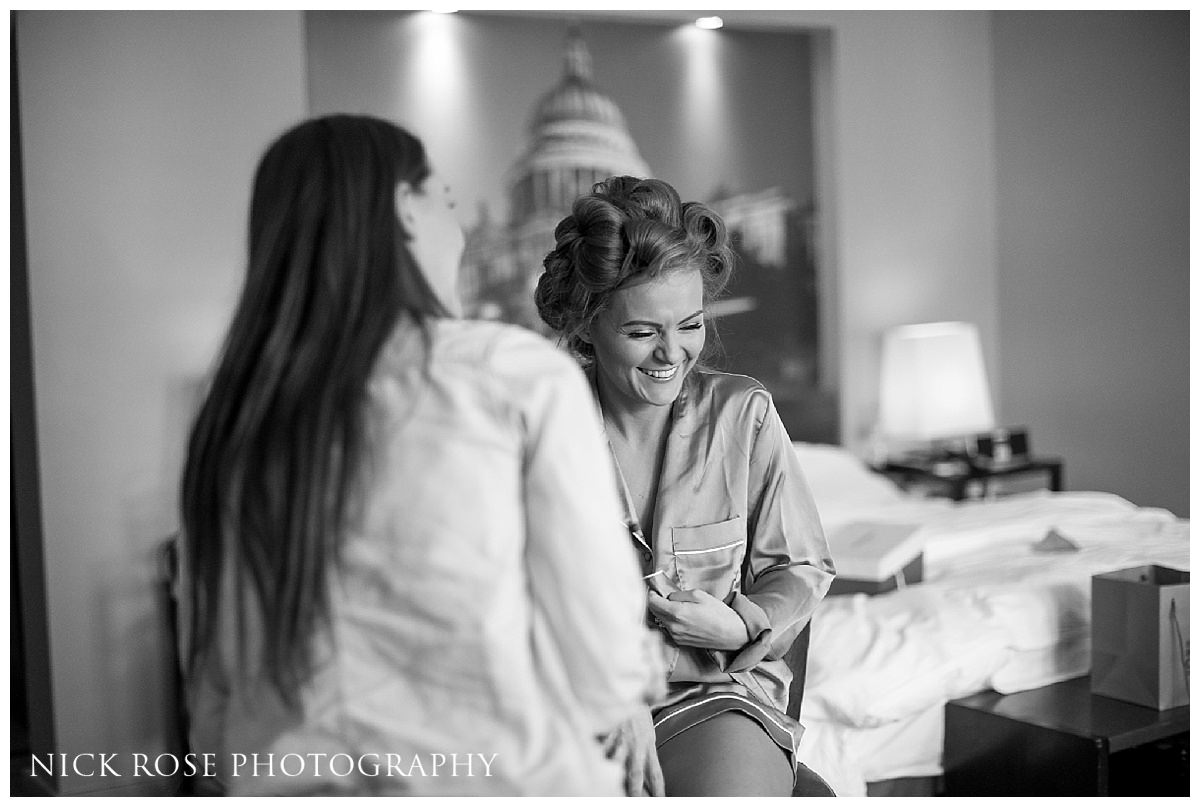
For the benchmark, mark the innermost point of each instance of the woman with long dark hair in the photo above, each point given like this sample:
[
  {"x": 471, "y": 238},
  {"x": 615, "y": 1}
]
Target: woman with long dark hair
[{"x": 401, "y": 565}]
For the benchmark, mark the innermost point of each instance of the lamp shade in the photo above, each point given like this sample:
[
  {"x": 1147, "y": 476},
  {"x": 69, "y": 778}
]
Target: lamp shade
[{"x": 933, "y": 383}]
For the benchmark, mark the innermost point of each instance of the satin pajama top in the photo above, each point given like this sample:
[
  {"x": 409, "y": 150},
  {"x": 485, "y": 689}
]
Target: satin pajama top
[{"x": 735, "y": 517}]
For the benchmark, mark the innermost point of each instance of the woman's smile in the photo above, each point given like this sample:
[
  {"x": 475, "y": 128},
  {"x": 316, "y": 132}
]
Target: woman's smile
[{"x": 662, "y": 374}]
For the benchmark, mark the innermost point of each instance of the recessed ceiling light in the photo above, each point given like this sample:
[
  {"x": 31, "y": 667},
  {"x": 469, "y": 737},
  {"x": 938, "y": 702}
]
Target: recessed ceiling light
[
  {"x": 710, "y": 23},
  {"x": 440, "y": 10}
]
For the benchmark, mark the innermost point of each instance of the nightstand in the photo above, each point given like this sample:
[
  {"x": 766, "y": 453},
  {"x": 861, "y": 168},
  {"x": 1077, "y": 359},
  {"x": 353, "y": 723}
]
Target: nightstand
[
  {"x": 961, "y": 481},
  {"x": 1063, "y": 740}
]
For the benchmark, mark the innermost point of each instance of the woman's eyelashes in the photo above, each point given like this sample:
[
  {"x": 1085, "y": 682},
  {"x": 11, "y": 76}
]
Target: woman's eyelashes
[{"x": 690, "y": 327}]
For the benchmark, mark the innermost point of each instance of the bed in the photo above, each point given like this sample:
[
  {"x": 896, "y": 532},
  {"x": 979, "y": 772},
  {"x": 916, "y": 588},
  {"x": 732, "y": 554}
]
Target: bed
[{"x": 991, "y": 612}]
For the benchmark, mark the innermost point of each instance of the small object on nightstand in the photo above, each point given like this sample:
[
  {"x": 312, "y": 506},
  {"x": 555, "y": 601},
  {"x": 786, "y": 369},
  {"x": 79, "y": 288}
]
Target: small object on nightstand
[
  {"x": 1001, "y": 448},
  {"x": 1141, "y": 646}
]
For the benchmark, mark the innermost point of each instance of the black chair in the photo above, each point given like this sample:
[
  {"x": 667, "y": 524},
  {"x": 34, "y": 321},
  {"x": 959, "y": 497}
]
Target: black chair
[
  {"x": 168, "y": 564},
  {"x": 168, "y": 572},
  {"x": 808, "y": 783},
  {"x": 797, "y": 661}
]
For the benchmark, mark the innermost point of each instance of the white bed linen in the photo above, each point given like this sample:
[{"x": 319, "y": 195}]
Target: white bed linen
[
  {"x": 991, "y": 613},
  {"x": 848, "y": 757}
]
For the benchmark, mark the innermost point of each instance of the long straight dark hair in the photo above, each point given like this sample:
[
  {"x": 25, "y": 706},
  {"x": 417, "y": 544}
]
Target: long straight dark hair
[{"x": 276, "y": 444}]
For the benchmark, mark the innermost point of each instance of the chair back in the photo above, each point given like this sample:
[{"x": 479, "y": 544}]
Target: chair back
[
  {"x": 807, "y": 782},
  {"x": 797, "y": 661},
  {"x": 168, "y": 574}
]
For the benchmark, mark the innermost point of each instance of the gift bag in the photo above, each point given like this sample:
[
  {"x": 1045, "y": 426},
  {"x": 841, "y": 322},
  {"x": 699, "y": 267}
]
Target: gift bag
[{"x": 1140, "y": 639}]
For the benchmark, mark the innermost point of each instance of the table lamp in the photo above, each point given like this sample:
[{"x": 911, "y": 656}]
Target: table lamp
[{"x": 933, "y": 392}]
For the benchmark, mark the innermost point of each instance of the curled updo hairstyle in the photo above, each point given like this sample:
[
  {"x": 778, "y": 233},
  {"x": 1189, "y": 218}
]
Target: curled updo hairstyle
[{"x": 625, "y": 228}]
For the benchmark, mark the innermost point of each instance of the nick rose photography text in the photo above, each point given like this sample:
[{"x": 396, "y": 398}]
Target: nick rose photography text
[{"x": 269, "y": 764}]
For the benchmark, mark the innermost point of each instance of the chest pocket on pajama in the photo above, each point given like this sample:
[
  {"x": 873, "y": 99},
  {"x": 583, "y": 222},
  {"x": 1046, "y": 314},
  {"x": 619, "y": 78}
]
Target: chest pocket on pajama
[{"x": 710, "y": 556}]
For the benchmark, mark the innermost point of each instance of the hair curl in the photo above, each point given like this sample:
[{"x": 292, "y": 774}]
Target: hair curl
[{"x": 625, "y": 228}]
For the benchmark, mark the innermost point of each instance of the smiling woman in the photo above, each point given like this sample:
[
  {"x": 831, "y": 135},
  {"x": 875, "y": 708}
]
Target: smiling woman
[
  {"x": 733, "y": 553},
  {"x": 650, "y": 336}
]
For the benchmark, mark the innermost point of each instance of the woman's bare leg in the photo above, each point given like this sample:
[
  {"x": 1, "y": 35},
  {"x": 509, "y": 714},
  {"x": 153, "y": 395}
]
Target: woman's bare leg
[{"x": 726, "y": 755}]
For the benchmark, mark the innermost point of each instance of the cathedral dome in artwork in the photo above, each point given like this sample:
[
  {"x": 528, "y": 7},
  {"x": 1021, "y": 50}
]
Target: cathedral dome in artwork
[
  {"x": 576, "y": 98},
  {"x": 577, "y": 137}
]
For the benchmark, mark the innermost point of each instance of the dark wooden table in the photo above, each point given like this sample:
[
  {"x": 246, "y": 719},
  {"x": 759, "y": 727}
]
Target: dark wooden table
[{"x": 1061, "y": 740}]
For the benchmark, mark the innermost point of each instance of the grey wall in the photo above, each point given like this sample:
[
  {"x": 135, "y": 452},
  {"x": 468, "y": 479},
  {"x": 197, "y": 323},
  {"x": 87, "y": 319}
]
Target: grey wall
[
  {"x": 140, "y": 133},
  {"x": 1092, "y": 162}
]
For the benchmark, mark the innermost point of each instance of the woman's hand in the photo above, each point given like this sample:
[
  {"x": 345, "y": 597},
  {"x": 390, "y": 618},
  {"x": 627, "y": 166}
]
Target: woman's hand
[
  {"x": 633, "y": 745},
  {"x": 695, "y": 618}
]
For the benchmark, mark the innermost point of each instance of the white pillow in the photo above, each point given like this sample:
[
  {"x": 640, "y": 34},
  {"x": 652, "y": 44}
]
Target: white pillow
[{"x": 838, "y": 479}]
